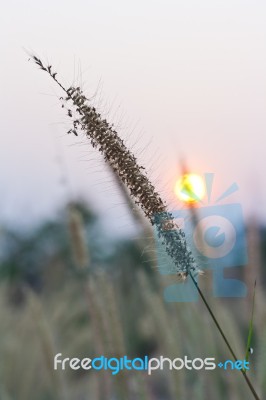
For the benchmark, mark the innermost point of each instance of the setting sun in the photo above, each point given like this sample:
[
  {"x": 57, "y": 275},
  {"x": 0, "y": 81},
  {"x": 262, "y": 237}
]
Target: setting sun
[{"x": 190, "y": 188}]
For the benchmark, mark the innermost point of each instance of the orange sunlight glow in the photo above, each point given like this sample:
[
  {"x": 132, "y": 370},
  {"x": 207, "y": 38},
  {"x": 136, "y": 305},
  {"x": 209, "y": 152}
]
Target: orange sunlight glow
[{"x": 190, "y": 188}]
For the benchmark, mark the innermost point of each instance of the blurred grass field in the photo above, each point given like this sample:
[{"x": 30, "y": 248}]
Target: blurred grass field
[{"x": 65, "y": 291}]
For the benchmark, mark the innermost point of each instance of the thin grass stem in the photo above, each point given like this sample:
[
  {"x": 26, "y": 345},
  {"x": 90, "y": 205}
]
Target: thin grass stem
[{"x": 223, "y": 336}]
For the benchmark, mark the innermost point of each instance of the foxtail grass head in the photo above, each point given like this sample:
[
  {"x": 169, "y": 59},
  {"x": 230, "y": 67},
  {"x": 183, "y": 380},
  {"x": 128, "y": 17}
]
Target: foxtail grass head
[{"x": 105, "y": 138}]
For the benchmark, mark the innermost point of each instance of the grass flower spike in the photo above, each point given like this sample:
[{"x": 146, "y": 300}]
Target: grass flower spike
[{"x": 104, "y": 137}]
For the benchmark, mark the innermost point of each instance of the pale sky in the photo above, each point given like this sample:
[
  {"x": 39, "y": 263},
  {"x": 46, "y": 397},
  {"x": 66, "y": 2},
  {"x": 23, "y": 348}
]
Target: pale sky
[{"x": 182, "y": 78}]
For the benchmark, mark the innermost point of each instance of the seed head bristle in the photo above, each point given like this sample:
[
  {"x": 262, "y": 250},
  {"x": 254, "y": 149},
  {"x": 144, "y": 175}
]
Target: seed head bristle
[{"x": 105, "y": 138}]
